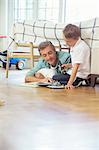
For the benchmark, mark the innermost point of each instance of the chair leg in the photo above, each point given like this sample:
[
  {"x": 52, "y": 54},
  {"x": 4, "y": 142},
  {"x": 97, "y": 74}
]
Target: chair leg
[
  {"x": 7, "y": 65},
  {"x": 32, "y": 54}
]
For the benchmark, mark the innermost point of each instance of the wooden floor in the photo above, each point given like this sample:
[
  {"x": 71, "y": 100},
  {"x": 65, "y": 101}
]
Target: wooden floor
[{"x": 47, "y": 119}]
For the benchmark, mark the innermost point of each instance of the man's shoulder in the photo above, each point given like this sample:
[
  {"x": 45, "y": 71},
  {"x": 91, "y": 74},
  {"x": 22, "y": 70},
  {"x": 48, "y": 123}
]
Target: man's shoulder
[
  {"x": 42, "y": 62},
  {"x": 41, "y": 59},
  {"x": 62, "y": 54}
]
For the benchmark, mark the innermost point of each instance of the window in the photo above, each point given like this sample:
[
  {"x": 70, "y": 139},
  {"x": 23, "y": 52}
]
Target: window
[
  {"x": 38, "y": 9},
  {"x": 23, "y": 9},
  {"x": 48, "y": 10}
]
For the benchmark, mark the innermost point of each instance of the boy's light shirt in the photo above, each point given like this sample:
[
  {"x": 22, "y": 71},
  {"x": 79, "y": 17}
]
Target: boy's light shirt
[{"x": 80, "y": 53}]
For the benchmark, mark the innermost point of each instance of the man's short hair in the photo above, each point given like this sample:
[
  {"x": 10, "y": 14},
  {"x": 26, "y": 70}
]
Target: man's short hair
[
  {"x": 45, "y": 44},
  {"x": 72, "y": 31}
]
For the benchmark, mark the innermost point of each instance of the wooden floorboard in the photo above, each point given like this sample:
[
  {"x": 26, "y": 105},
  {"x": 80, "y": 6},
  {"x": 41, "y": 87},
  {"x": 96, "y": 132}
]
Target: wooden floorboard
[{"x": 47, "y": 119}]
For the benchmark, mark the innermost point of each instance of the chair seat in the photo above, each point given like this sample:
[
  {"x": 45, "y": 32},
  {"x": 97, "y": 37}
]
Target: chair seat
[{"x": 20, "y": 55}]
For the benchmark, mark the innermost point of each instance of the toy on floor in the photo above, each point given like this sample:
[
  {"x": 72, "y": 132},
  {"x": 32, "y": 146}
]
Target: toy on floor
[{"x": 19, "y": 62}]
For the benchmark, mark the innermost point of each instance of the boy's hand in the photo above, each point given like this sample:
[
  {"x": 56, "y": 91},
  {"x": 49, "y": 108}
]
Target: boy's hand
[
  {"x": 64, "y": 66},
  {"x": 69, "y": 86}
]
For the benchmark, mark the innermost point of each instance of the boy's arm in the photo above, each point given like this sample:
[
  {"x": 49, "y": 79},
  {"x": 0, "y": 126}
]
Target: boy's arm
[
  {"x": 72, "y": 77},
  {"x": 30, "y": 76}
]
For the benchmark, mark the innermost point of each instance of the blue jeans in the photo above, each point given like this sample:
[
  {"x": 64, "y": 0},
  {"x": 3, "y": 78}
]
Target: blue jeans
[{"x": 63, "y": 79}]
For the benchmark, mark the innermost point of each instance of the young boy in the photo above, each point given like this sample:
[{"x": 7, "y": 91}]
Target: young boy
[{"x": 80, "y": 57}]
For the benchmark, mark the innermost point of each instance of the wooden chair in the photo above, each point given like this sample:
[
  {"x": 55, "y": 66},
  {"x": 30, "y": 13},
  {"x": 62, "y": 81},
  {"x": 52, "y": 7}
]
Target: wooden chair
[{"x": 22, "y": 54}]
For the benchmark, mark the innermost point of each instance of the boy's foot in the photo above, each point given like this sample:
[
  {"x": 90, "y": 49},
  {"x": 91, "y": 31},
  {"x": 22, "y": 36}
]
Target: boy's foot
[{"x": 78, "y": 84}]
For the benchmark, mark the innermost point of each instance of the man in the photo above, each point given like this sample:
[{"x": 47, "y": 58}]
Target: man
[{"x": 50, "y": 58}]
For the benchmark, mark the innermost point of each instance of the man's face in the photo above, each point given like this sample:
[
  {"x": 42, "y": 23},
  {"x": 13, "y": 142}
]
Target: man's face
[{"x": 49, "y": 55}]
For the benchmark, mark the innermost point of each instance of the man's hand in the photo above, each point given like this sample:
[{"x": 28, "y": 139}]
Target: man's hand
[
  {"x": 34, "y": 79},
  {"x": 46, "y": 80},
  {"x": 29, "y": 79}
]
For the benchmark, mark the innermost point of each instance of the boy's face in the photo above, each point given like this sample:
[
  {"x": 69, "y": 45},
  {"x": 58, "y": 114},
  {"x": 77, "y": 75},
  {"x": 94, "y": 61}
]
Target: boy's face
[
  {"x": 70, "y": 41},
  {"x": 49, "y": 55}
]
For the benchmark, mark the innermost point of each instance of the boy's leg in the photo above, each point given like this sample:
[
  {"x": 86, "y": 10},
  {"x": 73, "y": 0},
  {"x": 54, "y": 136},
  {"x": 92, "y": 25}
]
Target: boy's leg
[{"x": 63, "y": 79}]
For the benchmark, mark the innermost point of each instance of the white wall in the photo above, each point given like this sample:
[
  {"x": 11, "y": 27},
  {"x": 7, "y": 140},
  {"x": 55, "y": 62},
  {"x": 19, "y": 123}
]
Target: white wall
[
  {"x": 79, "y": 10},
  {"x": 3, "y": 22}
]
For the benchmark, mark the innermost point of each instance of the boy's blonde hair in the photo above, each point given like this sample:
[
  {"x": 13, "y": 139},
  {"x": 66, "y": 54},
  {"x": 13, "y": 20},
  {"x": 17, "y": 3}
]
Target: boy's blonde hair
[{"x": 71, "y": 31}]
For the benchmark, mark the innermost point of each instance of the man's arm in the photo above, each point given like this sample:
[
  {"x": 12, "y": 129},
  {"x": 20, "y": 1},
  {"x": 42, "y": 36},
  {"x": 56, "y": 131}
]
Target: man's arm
[
  {"x": 31, "y": 79},
  {"x": 34, "y": 79},
  {"x": 30, "y": 76}
]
